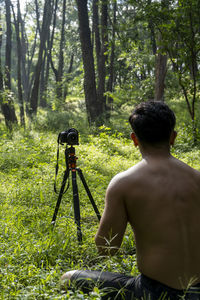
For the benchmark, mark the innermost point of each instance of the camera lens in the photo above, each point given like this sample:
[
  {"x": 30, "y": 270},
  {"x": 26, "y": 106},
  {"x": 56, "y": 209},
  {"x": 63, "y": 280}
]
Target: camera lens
[{"x": 72, "y": 137}]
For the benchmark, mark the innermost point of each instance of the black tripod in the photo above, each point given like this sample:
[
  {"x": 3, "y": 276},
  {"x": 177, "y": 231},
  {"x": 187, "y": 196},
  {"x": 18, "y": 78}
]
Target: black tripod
[{"x": 70, "y": 160}]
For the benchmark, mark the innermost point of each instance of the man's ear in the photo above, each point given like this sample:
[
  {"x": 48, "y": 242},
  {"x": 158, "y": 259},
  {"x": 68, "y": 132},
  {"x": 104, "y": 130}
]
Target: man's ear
[
  {"x": 173, "y": 137},
  {"x": 134, "y": 138}
]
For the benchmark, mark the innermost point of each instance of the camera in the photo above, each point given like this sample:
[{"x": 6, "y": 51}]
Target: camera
[{"x": 70, "y": 137}]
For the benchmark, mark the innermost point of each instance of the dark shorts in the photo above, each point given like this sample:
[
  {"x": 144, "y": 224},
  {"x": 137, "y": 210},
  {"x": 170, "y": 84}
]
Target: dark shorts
[{"x": 118, "y": 286}]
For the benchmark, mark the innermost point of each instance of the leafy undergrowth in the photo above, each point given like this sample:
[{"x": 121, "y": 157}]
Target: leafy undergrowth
[{"x": 33, "y": 255}]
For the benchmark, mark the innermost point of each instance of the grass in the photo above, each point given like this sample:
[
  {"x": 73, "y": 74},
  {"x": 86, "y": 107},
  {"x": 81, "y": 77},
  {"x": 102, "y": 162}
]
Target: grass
[{"x": 32, "y": 255}]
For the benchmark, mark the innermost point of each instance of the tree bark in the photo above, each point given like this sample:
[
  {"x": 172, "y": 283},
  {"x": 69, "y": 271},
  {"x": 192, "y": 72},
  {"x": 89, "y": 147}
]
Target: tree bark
[
  {"x": 161, "y": 63},
  {"x": 96, "y": 32},
  {"x": 25, "y": 78},
  {"x": 58, "y": 72},
  {"x": 103, "y": 58},
  {"x": 19, "y": 55},
  {"x": 43, "y": 37},
  {"x": 160, "y": 73},
  {"x": 43, "y": 100},
  {"x": 111, "y": 67},
  {"x": 152, "y": 32},
  {"x": 88, "y": 63},
  {"x": 101, "y": 44},
  {"x": 68, "y": 77},
  {"x": 59, "y": 89},
  {"x": 1, "y": 72},
  {"x": 8, "y": 46},
  {"x": 7, "y": 106}
]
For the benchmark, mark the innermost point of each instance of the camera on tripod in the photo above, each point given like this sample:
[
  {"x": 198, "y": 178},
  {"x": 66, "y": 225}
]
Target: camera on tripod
[{"x": 70, "y": 137}]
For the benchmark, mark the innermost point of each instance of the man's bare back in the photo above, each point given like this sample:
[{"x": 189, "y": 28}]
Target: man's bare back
[
  {"x": 160, "y": 198},
  {"x": 162, "y": 201}
]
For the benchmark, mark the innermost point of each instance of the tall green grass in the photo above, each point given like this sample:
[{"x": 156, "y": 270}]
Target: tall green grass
[{"x": 32, "y": 255}]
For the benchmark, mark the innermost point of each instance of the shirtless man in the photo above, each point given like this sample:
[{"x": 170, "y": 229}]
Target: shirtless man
[{"x": 160, "y": 198}]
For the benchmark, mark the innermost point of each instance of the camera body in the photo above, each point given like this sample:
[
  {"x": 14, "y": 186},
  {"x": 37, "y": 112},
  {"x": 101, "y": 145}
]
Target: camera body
[{"x": 70, "y": 137}]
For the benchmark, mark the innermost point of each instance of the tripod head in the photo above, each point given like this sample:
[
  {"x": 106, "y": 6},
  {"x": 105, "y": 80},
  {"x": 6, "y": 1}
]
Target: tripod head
[{"x": 71, "y": 158}]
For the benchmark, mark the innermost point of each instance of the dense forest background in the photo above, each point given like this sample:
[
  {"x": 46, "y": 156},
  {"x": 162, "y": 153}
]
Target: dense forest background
[
  {"x": 85, "y": 65},
  {"x": 98, "y": 56}
]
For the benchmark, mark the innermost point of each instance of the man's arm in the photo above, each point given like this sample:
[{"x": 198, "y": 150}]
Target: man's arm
[{"x": 114, "y": 220}]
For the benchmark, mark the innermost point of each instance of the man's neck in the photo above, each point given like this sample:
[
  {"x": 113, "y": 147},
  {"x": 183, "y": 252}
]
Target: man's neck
[{"x": 160, "y": 152}]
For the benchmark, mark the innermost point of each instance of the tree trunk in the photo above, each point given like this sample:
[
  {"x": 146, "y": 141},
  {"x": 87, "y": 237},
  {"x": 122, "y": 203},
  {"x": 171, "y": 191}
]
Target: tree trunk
[
  {"x": 101, "y": 44},
  {"x": 25, "y": 77},
  {"x": 59, "y": 71},
  {"x": 103, "y": 58},
  {"x": 43, "y": 37},
  {"x": 96, "y": 32},
  {"x": 7, "y": 106},
  {"x": 152, "y": 32},
  {"x": 1, "y": 72},
  {"x": 161, "y": 63},
  {"x": 8, "y": 46},
  {"x": 43, "y": 102},
  {"x": 161, "y": 69},
  {"x": 59, "y": 89},
  {"x": 111, "y": 67},
  {"x": 19, "y": 55},
  {"x": 68, "y": 77},
  {"x": 88, "y": 63}
]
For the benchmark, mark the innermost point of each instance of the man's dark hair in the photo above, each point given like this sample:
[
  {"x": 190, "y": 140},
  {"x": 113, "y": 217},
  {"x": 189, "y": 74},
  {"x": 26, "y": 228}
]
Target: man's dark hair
[{"x": 152, "y": 122}]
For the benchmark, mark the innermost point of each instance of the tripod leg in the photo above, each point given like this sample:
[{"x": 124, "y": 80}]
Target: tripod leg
[
  {"x": 66, "y": 174},
  {"x": 88, "y": 193},
  {"x": 76, "y": 205}
]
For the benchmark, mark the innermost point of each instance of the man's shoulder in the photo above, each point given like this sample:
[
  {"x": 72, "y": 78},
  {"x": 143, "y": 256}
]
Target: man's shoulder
[
  {"x": 123, "y": 178},
  {"x": 187, "y": 168}
]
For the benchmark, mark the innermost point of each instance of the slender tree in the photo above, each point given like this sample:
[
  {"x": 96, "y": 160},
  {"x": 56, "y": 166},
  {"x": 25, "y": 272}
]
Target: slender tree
[
  {"x": 152, "y": 32},
  {"x": 59, "y": 71},
  {"x": 96, "y": 33},
  {"x": 1, "y": 72},
  {"x": 103, "y": 56},
  {"x": 112, "y": 59},
  {"x": 48, "y": 59},
  {"x": 161, "y": 60},
  {"x": 47, "y": 13},
  {"x": 88, "y": 63},
  {"x": 160, "y": 73},
  {"x": 100, "y": 24},
  {"x": 7, "y": 105},
  {"x": 19, "y": 56},
  {"x": 24, "y": 70}
]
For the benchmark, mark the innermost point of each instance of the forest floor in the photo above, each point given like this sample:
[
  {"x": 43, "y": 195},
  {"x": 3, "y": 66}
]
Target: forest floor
[{"x": 33, "y": 255}]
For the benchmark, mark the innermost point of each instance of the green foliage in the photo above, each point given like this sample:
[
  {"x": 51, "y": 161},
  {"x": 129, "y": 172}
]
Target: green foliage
[
  {"x": 72, "y": 113},
  {"x": 33, "y": 256},
  {"x": 6, "y": 96},
  {"x": 135, "y": 65}
]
